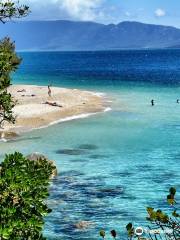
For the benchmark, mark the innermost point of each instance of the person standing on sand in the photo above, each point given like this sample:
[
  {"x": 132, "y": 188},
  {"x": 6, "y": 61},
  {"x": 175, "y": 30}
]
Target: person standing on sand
[{"x": 49, "y": 90}]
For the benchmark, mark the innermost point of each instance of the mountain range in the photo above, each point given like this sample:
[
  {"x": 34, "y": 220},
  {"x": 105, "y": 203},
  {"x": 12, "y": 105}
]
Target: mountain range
[{"x": 80, "y": 36}]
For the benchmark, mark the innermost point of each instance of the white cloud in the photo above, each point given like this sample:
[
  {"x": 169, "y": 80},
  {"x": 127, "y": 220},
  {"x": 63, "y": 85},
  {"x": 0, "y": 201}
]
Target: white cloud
[
  {"x": 160, "y": 12},
  {"x": 85, "y": 10}
]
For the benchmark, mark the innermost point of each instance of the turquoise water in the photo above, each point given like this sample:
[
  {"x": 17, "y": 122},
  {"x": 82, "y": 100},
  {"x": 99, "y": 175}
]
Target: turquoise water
[{"x": 111, "y": 165}]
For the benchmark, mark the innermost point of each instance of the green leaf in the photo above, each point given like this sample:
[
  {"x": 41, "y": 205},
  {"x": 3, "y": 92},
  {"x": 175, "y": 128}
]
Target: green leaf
[
  {"x": 102, "y": 233},
  {"x": 129, "y": 226},
  {"x": 172, "y": 191}
]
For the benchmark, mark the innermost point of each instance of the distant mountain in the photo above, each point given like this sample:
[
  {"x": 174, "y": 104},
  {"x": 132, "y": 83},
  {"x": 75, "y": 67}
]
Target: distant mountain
[{"x": 75, "y": 36}]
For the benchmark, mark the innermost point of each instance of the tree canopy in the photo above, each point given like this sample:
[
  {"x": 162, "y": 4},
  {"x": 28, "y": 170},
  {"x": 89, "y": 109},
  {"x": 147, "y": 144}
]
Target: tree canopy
[
  {"x": 10, "y": 9},
  {"x": 24, "y": 186},
  {"x": 9, "y": 61}
]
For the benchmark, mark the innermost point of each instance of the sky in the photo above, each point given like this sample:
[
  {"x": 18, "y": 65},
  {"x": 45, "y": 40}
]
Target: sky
[{"x": 165, "y": 12}]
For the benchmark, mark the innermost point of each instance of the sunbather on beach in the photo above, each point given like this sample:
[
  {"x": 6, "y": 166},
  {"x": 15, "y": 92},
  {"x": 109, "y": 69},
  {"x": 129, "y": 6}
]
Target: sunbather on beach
[
  {"x": 54, "y": 104},
  {"x": 20, "y": 91},
  {"x": 32, "y": 95}
]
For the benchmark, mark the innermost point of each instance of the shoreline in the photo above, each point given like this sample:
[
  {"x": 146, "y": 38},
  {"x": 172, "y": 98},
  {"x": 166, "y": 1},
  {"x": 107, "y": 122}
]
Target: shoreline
[
  {"x": 74, "y": 117},
  {"x": 63, "y": 120},
  {"x": 34, "y": 109}
]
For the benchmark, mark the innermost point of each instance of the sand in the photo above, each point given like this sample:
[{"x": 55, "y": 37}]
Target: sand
[{"x": 31, "y": 111}]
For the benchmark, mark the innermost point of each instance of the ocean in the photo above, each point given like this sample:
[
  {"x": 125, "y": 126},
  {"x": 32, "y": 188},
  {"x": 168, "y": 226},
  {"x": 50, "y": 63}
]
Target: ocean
[{"x": 111, "y": 165}]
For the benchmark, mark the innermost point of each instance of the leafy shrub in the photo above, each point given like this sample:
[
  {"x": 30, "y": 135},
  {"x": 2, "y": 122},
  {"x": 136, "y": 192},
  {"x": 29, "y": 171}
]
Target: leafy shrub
[
  {"x": 169, "y": 224},
  {"x": 9, "y": 62},
  {"x": 23, "y": 190}
]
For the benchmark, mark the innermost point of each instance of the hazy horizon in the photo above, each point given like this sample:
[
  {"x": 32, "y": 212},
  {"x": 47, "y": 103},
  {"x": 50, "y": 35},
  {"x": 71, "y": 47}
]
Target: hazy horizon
[{"x": 86, "y": 21}]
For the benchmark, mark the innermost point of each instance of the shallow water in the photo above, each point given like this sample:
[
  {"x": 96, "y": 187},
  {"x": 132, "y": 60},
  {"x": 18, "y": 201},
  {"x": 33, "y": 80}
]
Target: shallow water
[{"x": 114, "y": 164}]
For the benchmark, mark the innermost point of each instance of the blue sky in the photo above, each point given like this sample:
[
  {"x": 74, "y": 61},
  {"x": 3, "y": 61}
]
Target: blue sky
[{"x": 164, "y": 12}]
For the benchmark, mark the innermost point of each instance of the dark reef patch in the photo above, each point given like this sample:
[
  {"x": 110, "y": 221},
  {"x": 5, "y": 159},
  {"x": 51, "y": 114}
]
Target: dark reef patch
[
  {"x": 144, "y": 168},
  {"x": 129, "y": 197},
  {"x": 71, "y": 152},
  {"x": 63, "y": 181},
  {"x": 97, "y": 178},
  {"x": 161, "y": 178},
  {"x": 82, "y": 184},
  {"x": 98, "y": 156},
  {"x": 88, "y": 147},
  {"x": 112, "y": 192},
  {"x": 105, "y": 192},
  {"x": 122, "y": 174},
  {"x": 71, "y": 173},
  {"x": 79, "y": 160}
]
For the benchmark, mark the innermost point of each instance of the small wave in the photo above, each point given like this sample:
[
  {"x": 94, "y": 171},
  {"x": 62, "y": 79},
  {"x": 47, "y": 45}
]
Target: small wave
[
  {"x": 3, "y": 140},
  {"x": 99, "y": 94},
  {"x": 107, "y": 109},
  {"x": 66, "y": 119}
]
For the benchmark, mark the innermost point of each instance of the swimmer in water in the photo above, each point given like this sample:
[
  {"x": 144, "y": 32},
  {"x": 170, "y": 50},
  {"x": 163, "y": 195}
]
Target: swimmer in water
[{"x": 152, "y": 102}]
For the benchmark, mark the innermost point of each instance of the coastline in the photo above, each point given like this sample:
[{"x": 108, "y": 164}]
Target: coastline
[
  {"x": 74, "y": 117},
  {"x": 34, "y": 109}
]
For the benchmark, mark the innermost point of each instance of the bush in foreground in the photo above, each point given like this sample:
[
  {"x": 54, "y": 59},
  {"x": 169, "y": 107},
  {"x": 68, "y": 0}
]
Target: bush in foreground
[{"x": 23, "y": 190}]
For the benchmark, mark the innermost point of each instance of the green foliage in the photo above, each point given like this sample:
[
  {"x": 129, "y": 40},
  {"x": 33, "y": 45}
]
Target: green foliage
[
  {"x": 23, "y": 190},
  {"x": 102, "y": 234},
  {"x": 130, "y": 229},
  {"x": 9, "y": 62},
  {"x": 171, "y": 196},
  {"x": 157, "y": 216},
  {"x": 10, "y": 9},
  {"x": 8, "y": 59},
  {"x": 113, "y": 234},
  {"x": 170, "y": 224},
  {"x": 6, "y": 106},
  {"x": 163, "y": 226}
]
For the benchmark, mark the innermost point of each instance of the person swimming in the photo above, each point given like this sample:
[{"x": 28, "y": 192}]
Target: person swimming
[
  {"x": 152, "y": 102},
  {"x": 177, "y": 101}
]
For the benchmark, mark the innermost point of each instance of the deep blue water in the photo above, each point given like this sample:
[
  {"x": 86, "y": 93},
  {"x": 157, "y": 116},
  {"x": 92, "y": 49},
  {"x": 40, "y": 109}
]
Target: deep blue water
[
  {"x": 103, "y": 68},
  {"x": 133, "y": 151}
]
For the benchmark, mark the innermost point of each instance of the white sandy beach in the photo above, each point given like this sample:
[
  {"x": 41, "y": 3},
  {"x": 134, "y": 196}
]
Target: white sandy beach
[{"x": 31, "y": 111}]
